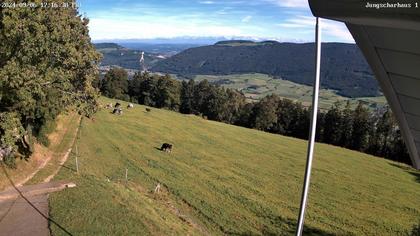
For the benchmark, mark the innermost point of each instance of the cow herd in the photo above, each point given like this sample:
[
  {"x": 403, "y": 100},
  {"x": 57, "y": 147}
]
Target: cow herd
[{"x": 117, "y": 110}]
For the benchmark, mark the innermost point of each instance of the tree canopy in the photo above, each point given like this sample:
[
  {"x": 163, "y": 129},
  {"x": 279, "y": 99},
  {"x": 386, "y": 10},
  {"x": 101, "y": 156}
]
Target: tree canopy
[{"x": 47, "y": 64}]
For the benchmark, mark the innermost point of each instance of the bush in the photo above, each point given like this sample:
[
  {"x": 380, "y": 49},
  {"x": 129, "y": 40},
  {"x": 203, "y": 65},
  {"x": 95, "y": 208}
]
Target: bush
[
  {"x": 416, "y": 230},
  {"x": 10, "y": 161},
  {"x": 45, "y": 130}
]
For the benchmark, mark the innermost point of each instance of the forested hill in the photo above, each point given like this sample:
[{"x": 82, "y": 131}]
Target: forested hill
[
  {"x": 116, "y": 55},
  {"x": 343, "y": 66}
]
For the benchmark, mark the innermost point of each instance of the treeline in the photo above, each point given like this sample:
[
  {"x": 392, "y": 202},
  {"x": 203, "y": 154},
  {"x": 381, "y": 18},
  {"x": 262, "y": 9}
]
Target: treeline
[{"x": 359, "y": 129}]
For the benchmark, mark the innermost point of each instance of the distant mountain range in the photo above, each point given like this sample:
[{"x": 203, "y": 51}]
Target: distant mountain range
[
  {"x": 344, "y": 68},
  {"x": 192, "y": 40}
]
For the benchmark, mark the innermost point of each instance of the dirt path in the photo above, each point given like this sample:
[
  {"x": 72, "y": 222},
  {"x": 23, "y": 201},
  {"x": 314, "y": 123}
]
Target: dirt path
[
  {"x": 24, "y": 210},
  {"x": 42, "y": 156},
  {"x": 62, "y": 161}
]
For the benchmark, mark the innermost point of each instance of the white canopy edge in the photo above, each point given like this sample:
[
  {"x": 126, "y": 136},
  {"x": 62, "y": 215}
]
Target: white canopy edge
[{"x": 390, "y": 42}]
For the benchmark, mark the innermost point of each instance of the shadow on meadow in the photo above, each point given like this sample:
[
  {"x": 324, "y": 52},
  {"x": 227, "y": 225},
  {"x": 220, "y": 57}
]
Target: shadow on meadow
[
  {"x": 283, "y": 226},
  {"x": 409, "y": 170}
]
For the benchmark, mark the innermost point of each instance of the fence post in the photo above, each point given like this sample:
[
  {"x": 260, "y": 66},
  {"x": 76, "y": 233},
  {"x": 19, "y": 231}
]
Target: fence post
[
  {"x": 77, "y": 162},
  {"x": 126, "y": 174}
]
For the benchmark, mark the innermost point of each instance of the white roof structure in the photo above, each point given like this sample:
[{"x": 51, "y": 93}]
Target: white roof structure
[{"x": 389, "y": 37}]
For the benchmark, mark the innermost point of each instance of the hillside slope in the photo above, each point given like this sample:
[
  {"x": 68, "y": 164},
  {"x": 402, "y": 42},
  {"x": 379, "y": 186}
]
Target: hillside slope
[
  {"x": 114, "y": 54},
  {"x": 344, "y": 68},
  {"x": 223, "y": 179}
]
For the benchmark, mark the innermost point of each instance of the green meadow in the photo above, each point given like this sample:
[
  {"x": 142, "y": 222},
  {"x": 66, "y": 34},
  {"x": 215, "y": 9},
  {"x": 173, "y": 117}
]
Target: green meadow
[
  {"x": 256, "y": 86},
  {"x": 222, "y": 180}
]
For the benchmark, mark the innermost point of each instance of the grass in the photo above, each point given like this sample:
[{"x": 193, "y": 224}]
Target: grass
[
  {"x": 59, "y": 142},
  {"x": 256, "y": 86},
  {"x": 222, "y": 179}
]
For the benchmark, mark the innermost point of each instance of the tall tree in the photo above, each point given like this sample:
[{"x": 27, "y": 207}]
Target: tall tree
[
  {"x": 168, "y": 93},
  {"x": 235, "y": 103},
  {"x": 265, "y": 113},
  {"x": 333, "y": 125},
  {"x": 115, "y": 84},
  {"x": 346, "y": 126},
  {"x": 201, "y": 93},
  {"x": 361, "y": 127},
  {"x": 386, "y": 129},
  {"x": 47, "y": 64},
  {"x": 187, "y": 93}
]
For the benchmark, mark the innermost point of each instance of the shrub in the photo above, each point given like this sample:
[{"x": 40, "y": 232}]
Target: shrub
[
  {"x": 416, "y": 230},
  {"x": 45, "y": 130}
]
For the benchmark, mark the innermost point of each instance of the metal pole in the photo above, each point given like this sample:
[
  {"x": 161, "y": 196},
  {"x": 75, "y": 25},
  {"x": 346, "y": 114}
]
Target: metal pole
[{"x": 312, "y": 130}]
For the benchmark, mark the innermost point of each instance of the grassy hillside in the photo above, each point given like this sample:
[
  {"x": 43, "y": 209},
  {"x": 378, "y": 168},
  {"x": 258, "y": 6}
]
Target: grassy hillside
[
  {"x": 256, "y": 86},
  {"x": 223, "y": 179}
]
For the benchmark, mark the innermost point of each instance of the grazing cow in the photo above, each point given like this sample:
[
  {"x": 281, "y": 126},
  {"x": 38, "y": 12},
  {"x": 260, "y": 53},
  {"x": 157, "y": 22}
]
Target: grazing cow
[
  {"x": 166, "y": 147},
  {"x": 117, "y": 111},
  {"x": 130, "y": 105},
  {"x": 148, "y": 109}
]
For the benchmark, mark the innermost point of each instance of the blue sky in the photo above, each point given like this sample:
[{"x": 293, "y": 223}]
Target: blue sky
[{"x": 282, "y": 20}]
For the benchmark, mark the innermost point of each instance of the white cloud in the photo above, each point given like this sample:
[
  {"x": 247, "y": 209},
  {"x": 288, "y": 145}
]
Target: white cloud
[
  {"x": 334, "y": 29},
  {"x": 246, "y": 19},
  {"x": 206, "y": 2},
  {"x": 101, "y": 28},
  {"x": 290, "y": 3}
]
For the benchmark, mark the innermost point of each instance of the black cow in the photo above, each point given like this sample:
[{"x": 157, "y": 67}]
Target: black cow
[
  {"x": 117, "y": 111},
  {"x": 166, "y": 147},
  {"x": 148, "y": 109}
]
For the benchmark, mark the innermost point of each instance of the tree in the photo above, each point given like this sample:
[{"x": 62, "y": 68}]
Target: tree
[
  {"x": 385, "y": 131},
  {"x": 115, "y": 84},
  {"x": 201, "y": 93},
  {"x": 333, "y": 125},
  {"x": 187, "y": 92},
  {"x": 167, "y": 93},
  {"x": 264, "y": 115},
  {"x": 246, "y": 116},
  {"x": 134, "y": 87},
  {"x": 361, "y": 127},
  {"x": 346, "y": 126},
  {"x": 47, "y": 64},
  {"x": 235, "y": 103}
]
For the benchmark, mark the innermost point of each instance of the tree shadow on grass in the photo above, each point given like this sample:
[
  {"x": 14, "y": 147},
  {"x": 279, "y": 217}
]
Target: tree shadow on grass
[
  {"x": 409, "y": 170},
  {"x": 69, "y": 168},
  {"x": 283, "y": 226}
]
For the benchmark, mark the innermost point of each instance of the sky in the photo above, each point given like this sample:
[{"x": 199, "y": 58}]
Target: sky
[{"x": 282, "y": 20}]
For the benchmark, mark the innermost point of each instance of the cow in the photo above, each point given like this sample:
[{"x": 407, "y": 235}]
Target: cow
[
  {"x": 109, "y": 106},
  {"x": 130, "y": 105},
  {"x": 148, "y": 110},
  {"x": 166, "y": 147},
  {"x": 117, "y": 105},
  {"x": 117, "y": 111}
]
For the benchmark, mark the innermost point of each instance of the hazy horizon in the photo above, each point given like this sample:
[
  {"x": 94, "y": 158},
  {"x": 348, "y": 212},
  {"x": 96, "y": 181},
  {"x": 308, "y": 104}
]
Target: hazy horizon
[{"x": 280, "y": 20}]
